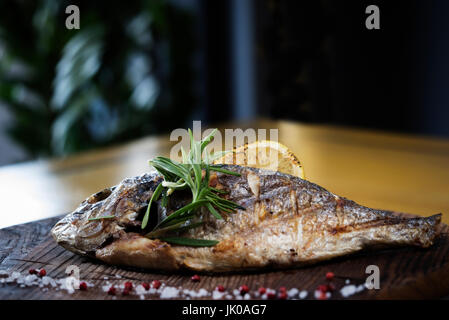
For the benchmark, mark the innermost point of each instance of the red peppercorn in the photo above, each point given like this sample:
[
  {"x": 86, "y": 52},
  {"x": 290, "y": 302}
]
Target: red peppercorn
[
  {"x": 146, "y": 285},
  {"x": 32, "y": 271},
  {"x": 111, "y": 291},
  {"x": 83, "y": 286},
  {"x": 156, "y": 284},
  {"x": 330, "y": 287},
  {"x": 243, "y": 289},
  {"x": 330, "y": 275},
  {"x": 221, "y": 288},
  {"x": 195, "y": 278},
  {"x": 283, "y": 289},
  {"x": 322, "y": 288},
  {"x": 322, "y": 295},
  {"x": 128, "y": 285},
  {"x": 271, "y": 295},
  {"x": 125, "y": 292},
  {"x": 262, "y": 290},
  {"x": 42, "y": 273},
  {"x": 283, "y": 295}
]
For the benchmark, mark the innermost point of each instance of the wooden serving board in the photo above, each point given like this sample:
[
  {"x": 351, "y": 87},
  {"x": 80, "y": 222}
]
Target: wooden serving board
[{"x": 405, "y": 273}]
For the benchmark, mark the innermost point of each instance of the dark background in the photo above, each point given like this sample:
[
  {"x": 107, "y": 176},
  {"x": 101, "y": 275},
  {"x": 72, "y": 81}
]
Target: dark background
[{"x": 237, "y": 60}]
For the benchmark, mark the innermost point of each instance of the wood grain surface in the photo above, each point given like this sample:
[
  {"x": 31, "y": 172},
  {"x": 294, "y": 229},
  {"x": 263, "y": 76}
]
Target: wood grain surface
[{"x": 406, "y": 273}]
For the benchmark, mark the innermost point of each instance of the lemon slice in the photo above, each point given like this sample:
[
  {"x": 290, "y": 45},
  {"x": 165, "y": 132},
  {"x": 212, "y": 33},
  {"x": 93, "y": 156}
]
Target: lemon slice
[{"x": 265, "y": 154}]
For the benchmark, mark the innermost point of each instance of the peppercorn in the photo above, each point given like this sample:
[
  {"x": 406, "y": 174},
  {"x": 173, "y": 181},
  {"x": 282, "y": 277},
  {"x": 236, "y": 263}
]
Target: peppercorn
[
  {"x": 283, "y": 295},
  {"x": 111, "y": 291},
  {"x": 330, "y": 275},
  {"x": 156, "y": 284},
  {"x": 243, "y": 289},
  {"x": 128, "y": 285},
  {"x": 195, "y": 278},
  {"x": 271, "y": 295}
]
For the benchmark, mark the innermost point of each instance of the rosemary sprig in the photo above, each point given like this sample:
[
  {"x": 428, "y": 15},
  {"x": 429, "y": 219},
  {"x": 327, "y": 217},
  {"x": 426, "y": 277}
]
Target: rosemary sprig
[
  {"x": 190, "y": 241},
  {"x": 100, "y": 218},
  {"x": 188, "y": 175}
]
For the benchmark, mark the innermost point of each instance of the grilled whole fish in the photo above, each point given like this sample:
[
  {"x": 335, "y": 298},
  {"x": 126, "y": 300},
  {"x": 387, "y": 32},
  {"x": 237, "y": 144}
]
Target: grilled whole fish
[{"x": 288, "y": 222}]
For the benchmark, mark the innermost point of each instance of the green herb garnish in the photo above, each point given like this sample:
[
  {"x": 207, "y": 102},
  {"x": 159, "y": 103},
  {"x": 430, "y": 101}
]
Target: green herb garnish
[
  {"x": 190, "y": 242},
  {"x": 188, "y": 175},
  {"x": 100, "y": 218}
]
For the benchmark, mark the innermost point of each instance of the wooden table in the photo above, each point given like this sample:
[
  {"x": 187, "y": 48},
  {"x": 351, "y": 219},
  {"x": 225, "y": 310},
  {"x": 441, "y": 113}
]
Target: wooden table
[
  {"x": 397, "y": 172},
  {"x": 381, "y": 170}
]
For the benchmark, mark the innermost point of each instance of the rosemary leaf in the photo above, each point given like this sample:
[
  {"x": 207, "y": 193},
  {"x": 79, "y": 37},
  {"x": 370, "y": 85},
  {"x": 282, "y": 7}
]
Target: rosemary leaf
[
  {"x": 219, "y": 169},
  {"x": 213, "y": 211},
  {"x": 100, "y": 218},
  {"x": 190, "y": 242},
  {"x": 154, "y": 197}
]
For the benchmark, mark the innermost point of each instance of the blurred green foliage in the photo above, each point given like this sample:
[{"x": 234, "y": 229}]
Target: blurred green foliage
[{"x": 127, "y": 72}]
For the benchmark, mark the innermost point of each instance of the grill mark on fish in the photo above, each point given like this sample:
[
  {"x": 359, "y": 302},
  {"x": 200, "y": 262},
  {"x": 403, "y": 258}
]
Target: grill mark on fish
[{"x": 288, "y": 222}]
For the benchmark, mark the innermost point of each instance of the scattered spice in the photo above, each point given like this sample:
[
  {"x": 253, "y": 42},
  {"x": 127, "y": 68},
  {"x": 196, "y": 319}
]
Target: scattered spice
[
  {"x": 195, "y": 278},
  {"x": 221, "y": 288},
  {"x": 322, "y": 295},
  {"x": 128, "y": 286},
  {"x": 146, "y": 285},
  {"x": 42, "y": 273},
  {"x": 322, "y": 288},
  {"x": 156, "y": 284},
  {"x": 83, "y": 286},
  {"x": 283, "y": 295},
  {"x": 262, "y": 290},
  {"x": 243, "y": 289},
  {"x": 271, "y": 295},
  {"x": 283, "y": 289},
  {"x": 125, "y": 292},
  {"x": 330, "y": 275},
  {"x": 111, "y": 291},
  {"x": 32, "y": 271}
]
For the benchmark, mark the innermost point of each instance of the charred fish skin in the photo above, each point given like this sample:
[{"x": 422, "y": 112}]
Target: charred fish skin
[
  {"x": 76, "y": 233},
  {"x": 288, "y": 222}
]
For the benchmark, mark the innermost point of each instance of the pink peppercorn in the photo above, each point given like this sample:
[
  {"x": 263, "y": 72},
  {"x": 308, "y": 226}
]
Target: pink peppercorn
[
  {"x": 283, "y": 295},
  {"x": 262, "y": 290},
  {"x": 330, "y": 275},
  {"x": 322, "y": 288},
  {"x": 146, "y": 285},
  {"x": 243, "y": 289},
  {"x": 128, "y": 286},
  {"x": 83, "y": 286},
  {"x": 111, "y": 291},
  {"x": 221, "y": 288},
  {"x": 195, "y": 278},
  {"x": 156, "y": 284},
  {"x": 322, "y": 295},
  {"x": 42, "y": 273},
  {"x": 271, "y": 295}
]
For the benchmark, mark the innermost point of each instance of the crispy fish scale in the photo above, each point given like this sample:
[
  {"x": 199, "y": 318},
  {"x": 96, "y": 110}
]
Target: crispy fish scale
[{"x": 288, "y": 222}]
